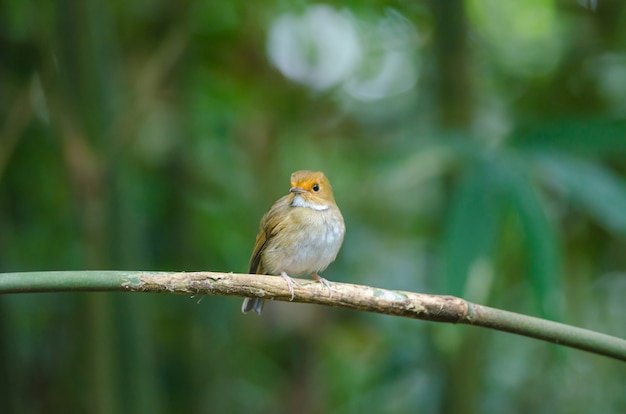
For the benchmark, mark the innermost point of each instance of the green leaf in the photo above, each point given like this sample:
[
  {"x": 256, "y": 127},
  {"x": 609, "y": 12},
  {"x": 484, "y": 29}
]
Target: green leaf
[
  {"x": 472, "y": 226},
  {"x": 584, "y": 135},
  {"x": 489, "y": 189},
  {"x": 590, "y": 186},
  {"x": 541, "y": 242}
]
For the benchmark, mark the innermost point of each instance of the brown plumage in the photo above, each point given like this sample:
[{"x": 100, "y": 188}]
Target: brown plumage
[{"x": 300, "y": 234}]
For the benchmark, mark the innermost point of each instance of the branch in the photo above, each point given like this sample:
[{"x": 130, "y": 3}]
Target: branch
[{"x": 344, "y": 295}]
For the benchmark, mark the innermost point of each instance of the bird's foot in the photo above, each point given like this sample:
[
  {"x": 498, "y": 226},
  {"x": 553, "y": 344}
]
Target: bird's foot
[
  {"x": 324, "y": 282},
  {"x": 290, "y": 283}
]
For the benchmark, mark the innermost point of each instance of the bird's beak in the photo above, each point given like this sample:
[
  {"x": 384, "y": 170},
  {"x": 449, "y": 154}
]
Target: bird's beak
[{"x": 296, "y": 190}]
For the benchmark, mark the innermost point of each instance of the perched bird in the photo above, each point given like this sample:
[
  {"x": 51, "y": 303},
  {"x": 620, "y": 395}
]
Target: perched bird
[{"x": 301, "y": 233}]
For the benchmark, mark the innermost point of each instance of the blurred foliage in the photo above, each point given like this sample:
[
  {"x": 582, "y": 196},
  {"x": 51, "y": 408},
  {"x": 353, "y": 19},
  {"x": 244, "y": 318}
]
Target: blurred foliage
[{"x": 476, "y": 149}]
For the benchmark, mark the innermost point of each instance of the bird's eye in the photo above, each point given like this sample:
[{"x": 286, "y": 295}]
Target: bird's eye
[{"x": 316, "y": 187}]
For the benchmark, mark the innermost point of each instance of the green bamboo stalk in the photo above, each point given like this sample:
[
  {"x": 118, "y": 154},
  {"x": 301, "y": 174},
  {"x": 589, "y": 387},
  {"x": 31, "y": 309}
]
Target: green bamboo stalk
[
  {"x": 344, "y": 295},
  {"x": 67, "y": 281}
]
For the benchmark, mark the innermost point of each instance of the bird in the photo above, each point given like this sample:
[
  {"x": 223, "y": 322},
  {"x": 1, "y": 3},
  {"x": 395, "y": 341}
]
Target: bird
[{"x": 300, "y": 234}]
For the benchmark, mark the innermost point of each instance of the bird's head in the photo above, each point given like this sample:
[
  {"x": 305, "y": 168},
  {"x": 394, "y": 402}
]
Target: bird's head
[{"x": 310, "y": 189}]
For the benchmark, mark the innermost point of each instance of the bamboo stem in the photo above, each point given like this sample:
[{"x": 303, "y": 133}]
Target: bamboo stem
[{"x": 344, "y": 295}]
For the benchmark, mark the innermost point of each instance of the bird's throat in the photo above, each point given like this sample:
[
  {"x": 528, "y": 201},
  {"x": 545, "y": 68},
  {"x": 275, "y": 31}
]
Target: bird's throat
[{"x": 299, "y": 201}]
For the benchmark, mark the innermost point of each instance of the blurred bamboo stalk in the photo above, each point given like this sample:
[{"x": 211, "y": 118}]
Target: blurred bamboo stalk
[
  {"x": 17, "y": 120},
  {"x": 454, "y": 89},
  {"x": 344, "y": 295}
]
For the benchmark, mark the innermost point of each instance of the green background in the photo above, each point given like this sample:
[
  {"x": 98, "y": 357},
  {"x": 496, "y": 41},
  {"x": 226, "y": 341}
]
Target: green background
[{"x": 488, "y": 163}]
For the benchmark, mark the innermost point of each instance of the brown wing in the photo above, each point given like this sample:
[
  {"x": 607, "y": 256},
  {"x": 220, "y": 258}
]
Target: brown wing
[
  {"x": 255, "y": 259},
  {"x": 270, "y": 224}
]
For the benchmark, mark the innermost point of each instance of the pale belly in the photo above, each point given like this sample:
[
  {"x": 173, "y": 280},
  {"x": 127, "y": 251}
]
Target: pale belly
[{"x": 311, "y": 248}]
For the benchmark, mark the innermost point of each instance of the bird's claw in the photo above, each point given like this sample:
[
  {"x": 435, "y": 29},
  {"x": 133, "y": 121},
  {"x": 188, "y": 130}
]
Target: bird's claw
[
  {"x": 290, "y": 283},
  {"x": 324, "y": 282}
]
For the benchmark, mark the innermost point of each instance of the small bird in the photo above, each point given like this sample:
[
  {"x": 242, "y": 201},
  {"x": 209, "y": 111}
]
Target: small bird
[{"x": 301, "y": 233}]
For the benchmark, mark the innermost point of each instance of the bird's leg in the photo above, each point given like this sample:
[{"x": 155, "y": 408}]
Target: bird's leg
[
  {"x": 290, "y": 283},
  {"x": 323, "y": 282}
]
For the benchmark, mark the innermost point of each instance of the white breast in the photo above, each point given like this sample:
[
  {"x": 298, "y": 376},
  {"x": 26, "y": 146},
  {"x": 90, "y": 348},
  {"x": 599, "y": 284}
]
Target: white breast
[{"x": 316, "y": 241}]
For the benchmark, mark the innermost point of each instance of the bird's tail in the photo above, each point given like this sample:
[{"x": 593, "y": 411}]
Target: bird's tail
[{"x": 254, "y": 304}]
